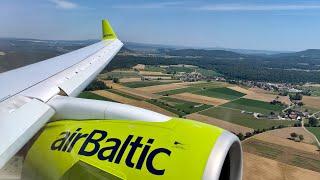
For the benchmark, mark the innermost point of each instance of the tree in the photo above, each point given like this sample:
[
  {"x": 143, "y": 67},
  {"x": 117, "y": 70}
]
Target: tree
[
  {"x": 96, "y": 85},
  {"x": 298, "y": 124},
  {"x": 301, "y": 137},
  {"x": 300, "y": 104},
  {"x": 296, "y": 96},
  {"x": 294, "y": 135},
  {"x": 241, "y": 136},
  {"x": 313, "y": 121},
  {"x": 115, "y": 80},
  {"x": 248, "y": 134}
]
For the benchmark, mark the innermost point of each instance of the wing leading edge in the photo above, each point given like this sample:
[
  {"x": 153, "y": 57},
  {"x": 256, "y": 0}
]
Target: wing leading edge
[{"x": 25, "y": 91}]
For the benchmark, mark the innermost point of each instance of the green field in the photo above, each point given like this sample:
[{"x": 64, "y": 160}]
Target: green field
[
  {"x": 153, "y": 68},
  {"x": 126, "y": 95},
  {"x": 178, "y": 91},
  {"x": 179, "y": 107},
  {"x": 247, "y": 120},
  {"x": 315, "y": 131},
  {"x": 90, "y": 95},
  {"x": 222, "y": 93},
  {"x": 165, "y": 106},
  {"x": 254, "y": 106},
  {"x": 208, "y": 73},
  {"x": 172, "y": 69},
  {"x": 143, "y": 83}
]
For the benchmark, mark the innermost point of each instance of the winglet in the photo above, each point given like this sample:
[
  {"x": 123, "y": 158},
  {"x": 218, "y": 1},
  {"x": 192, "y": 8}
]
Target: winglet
[{"x": 107, "y": 31}]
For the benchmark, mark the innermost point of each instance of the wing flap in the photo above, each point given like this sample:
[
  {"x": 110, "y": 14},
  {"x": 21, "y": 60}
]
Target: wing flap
[{"x": 20, "y": 125}]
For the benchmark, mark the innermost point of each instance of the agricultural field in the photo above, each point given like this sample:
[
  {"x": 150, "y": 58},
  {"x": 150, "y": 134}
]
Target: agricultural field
[
  {"x": 211, "y": 84},
  {"x": 169, "y": 85},
  {"x": 130, "y": 96},
  {"x": 90, "y": 95},
  {"x": 250, "y": 105},
  {"x": 178, "y": 91},
  {"x": 315, "y": 131},
  {"x": 235, "y": 128},
  {"x": 284, "y": 134},
  {"x": 143, "y": 84},
  {"x": 243, "y": 119},
  {"x": 119, "y": 74},
  {"x": 283, "y": 154},
  {"x": 179, "y": 107},
  {"x": 222, "y": 93},
  {"x": 258, "y": 168},
  {"x": 153, "y": 68},
  {"x": 313, "y": 102},
  {"x": 200, "y": 99}
]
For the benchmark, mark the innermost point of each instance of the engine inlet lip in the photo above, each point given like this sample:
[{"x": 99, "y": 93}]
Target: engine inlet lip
[{"x": 226, "y": 143}]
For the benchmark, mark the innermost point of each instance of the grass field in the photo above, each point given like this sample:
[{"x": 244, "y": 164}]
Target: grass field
[
  {"x": 126, "y": 95},
  {"x": 283, "y": 154},
  {"x": 208, "y": 73},
  {"x": 222, "y": 93},
  {"x": 247, "y": 120},
  {"x": 153, "y": 68},
  {"x": 178, "y": 91},
  {"x": 315, "y": 131},
  {"x": 90, "y": 95},
  {"x": 163, "y": 104},
  {"x": 143, "y": 84},
  {"x": 254, "y": 106},
  {"x": 179, "y": 107}
]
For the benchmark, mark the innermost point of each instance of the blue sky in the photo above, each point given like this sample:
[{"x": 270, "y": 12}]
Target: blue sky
[{"x": 247, "y": 24}]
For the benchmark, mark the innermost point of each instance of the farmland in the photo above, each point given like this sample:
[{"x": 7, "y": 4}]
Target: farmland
[
  {"x": 315, "y": 131},
  {"x": 247, "y": 120},
  {"x": 126, "y": 94},
  {"x": 228, "y": 106},
  {"x": 90, "y": 95},
  {"x": 283, "y": 154},
  {"x": 178, "y": 91},
  {"x": 254, "y": 106},
  {"x": 143, "y": 84},
  {"x": 179, "y": 107},
  {"x": 222, "y": 93}
]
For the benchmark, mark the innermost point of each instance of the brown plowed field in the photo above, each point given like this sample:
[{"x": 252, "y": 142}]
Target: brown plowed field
[{"x": 260, "y": 168}]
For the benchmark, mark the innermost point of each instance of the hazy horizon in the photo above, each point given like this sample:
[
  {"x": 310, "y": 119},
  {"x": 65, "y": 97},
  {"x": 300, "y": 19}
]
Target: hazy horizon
[{"x": 276, "y": 25}]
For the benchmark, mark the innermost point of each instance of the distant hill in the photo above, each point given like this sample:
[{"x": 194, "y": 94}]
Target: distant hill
[
  {"x": 21, "y": 52},
  {"x": 205, "y": 53},
  {"x": 309, "y": 53},
  {"x": 295, "y": 67}
]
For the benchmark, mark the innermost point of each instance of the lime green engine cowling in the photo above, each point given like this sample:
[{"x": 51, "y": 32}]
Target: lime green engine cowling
[{"x": 126, "y": 149}]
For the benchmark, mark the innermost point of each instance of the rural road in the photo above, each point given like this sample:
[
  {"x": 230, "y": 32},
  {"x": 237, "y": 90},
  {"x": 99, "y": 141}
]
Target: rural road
[{"x": 302, "y": 125}]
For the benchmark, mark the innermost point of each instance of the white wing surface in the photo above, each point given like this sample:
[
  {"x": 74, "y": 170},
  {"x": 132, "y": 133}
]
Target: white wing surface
[{"x": 25, "y": 91}]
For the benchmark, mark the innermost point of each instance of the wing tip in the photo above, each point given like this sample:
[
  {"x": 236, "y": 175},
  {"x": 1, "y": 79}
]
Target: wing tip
[{"x": 107, "y": 31}]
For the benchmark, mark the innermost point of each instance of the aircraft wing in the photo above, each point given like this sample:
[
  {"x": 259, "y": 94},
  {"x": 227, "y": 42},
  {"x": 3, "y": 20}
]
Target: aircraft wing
[{"x": 25, "y": 91}]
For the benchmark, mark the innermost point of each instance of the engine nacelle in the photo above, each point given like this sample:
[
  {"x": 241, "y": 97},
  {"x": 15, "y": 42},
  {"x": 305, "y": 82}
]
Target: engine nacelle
[{"x": 129, "y": 143}]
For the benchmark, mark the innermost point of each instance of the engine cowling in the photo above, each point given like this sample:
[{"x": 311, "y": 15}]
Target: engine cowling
[{"x": 170, "y": 148}]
